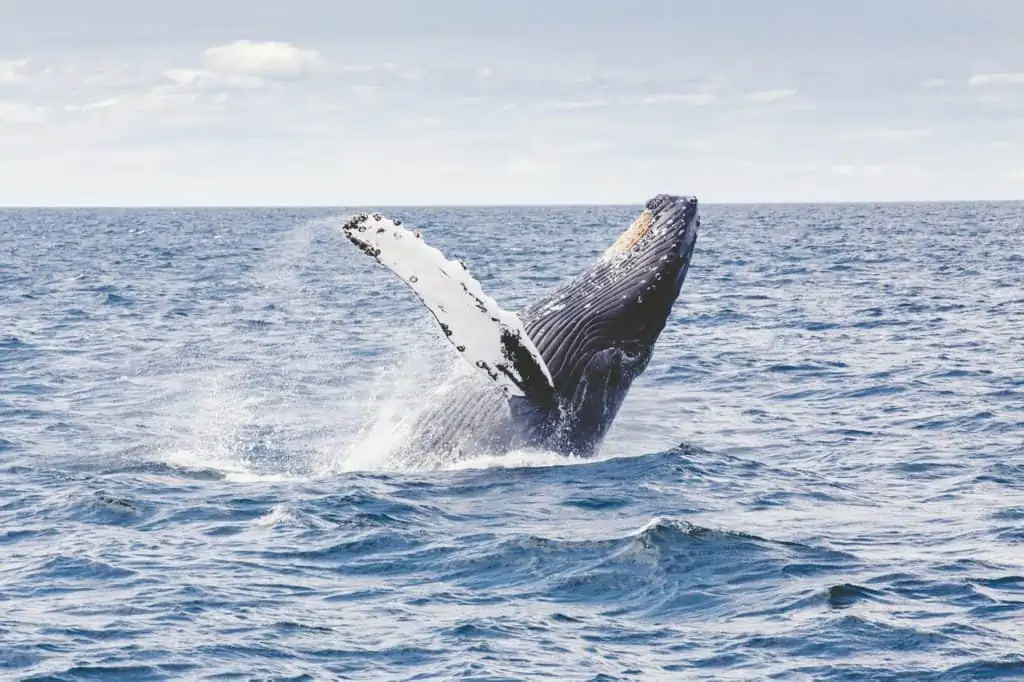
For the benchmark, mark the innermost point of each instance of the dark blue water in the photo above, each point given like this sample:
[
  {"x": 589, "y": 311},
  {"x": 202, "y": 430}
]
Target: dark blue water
[{"x": 820, "y": 476}]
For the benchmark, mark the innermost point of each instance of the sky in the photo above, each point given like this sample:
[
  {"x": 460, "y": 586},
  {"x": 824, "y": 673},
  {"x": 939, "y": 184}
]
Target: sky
[{"x": 410, "y": 102}]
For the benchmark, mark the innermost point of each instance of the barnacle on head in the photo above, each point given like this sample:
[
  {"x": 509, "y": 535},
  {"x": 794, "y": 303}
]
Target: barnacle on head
[{"x": 634, "y": 233}]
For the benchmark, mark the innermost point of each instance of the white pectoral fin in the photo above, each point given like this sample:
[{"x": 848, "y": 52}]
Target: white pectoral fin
[{"x": 491, "y": 339}]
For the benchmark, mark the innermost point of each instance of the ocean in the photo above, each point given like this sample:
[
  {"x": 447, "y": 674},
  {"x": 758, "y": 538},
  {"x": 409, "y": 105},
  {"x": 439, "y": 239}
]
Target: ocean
[{"x": 819, "y": 477}]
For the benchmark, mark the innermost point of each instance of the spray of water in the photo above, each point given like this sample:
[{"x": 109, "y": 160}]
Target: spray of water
[{"x": 288, "y": 404}]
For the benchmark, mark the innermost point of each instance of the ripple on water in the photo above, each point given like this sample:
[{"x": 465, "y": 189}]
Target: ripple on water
[{"x": 196, "y": 407}]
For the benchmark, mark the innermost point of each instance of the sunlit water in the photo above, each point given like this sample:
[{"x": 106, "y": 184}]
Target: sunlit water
[{"x": 820, "y": 476}]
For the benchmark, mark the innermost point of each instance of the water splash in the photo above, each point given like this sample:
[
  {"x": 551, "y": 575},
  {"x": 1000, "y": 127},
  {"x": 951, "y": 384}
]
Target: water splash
[
  {"x": 385, "y": 414},
  {"x": 287, "y": 404}
]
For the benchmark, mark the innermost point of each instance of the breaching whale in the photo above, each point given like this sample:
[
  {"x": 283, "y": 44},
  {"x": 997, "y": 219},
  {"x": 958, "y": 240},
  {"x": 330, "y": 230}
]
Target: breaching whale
[{"x": 554, "y": 375}]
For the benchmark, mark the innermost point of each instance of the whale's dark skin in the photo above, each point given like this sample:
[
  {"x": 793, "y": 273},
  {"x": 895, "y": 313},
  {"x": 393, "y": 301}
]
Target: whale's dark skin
[{"x": 595, "y": 333}]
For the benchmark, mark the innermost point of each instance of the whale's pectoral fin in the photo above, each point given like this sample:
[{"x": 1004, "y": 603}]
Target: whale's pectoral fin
[{"x": 491, "y": 339}]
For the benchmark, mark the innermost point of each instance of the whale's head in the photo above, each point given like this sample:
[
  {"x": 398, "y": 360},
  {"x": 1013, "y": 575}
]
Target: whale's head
[{"x": 597, "y": 332}]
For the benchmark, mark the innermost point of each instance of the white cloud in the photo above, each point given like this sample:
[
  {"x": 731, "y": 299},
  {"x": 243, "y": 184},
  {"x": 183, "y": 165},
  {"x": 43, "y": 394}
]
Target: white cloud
[
  {"x": 269, "y": 58},
  {"x": 769, "y": 95},
  {"x": 422, "y": 122},
  {"x": 997, "y": 78},
  {"x": 204, "y": 79},
  {"x": 862, "y": 171},
  {"x": 906, "y": 133},
  {"x": 241, "y": 65},
  {"x": 13, "y": 70},
  {"x": 358, "y": 68},
  {"x": 92, "y": 106},
  {"x": 779, "y": 167},
  {"x": 20, "y": 112},
  {"x": 188, "y": 76},
  {"x": 575, "y": 117},
  {"x": 367, "y": 90},
  {"x": 582, "y": 104},
  {"x": 696, "y": 99},
  {"x": 892, "y": 134},
  {"x": 523, "y": 167}
]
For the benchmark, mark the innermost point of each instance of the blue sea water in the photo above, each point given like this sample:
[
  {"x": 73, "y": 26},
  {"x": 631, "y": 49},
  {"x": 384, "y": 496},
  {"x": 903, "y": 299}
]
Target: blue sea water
[{"x": 819, "y": 477}]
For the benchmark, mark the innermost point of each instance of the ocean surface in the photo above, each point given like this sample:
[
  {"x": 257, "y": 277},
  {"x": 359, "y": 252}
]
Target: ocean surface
[{"x": 819, "y": 477}]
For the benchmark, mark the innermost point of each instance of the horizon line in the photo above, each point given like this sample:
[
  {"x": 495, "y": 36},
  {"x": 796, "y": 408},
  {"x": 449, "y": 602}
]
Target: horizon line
[{"x": 857, "y": 202}]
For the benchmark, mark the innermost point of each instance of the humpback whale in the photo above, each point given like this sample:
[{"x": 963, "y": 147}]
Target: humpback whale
[{"x": 554, "y": 375}]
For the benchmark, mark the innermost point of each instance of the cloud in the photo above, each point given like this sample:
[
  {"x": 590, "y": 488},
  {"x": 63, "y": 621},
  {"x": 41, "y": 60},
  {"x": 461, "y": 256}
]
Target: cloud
[
  {"x": 905, "y": 133},
  {"x": 862, "y": 171},
  {"x": 421, "y": 123},
  {"x": 13, "y": 70},
  {"x": 21, "y": 112},
  {"x": 997, "y": 79},
  {"x": 267, "y": 59},
  {"x": 779, "y": 167},
  {"x": 524, "y": 167},
  {"x": 92, "y": 106},
  {"x": 892, "y": 134},
  {"x": 764, "y": 96},
  {"x": 258, "y": 106},
  {"x": 582, "y": 104},
  {"x": 366, "y": 90},
  {"x": 696, "y": 99},
  {"x": 361, "y": 68},
  {"x": 204, "y": 79},
  {"x": 242, "y": 65}
]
